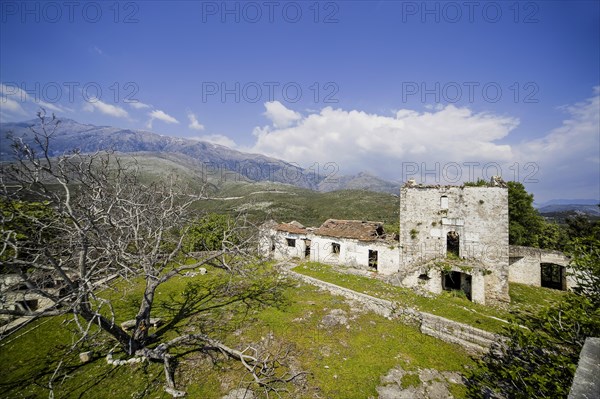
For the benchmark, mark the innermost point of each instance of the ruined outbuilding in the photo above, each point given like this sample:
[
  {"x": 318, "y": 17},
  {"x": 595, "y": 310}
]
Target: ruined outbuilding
[
  {"x": 352, "y": 243},
  {"x": 540, "y": 268},
  {"x": 451, "y": 238}
]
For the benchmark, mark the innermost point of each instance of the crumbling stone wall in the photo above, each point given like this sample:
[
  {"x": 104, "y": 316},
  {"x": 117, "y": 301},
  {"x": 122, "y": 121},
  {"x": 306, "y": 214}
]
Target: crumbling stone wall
[
  {"x": 474, "y": 340},
  {"x": 479, "y": 215}
]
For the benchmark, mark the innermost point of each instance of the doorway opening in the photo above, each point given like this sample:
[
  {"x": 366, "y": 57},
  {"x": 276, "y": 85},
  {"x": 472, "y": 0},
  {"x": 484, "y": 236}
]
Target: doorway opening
[
  {"x": 457, "y": 281},
  {"x": 373, "y": 259},
  {"x": 554, "y": 276}
]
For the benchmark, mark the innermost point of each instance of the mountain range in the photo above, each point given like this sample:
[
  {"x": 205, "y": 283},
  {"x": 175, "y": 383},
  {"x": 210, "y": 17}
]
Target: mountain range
[{"x": 211, "y": 160}]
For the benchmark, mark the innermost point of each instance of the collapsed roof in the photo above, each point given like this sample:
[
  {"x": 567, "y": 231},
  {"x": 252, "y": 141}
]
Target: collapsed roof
[
  {"x": 357, "y": 229},
  {"x": 292, "y": 227}
]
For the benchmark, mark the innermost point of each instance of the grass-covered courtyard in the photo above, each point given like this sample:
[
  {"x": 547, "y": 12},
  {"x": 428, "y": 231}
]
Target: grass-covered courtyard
[{"x": 344, "y": 357}]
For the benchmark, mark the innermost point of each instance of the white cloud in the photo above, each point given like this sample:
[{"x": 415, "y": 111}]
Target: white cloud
[
  {"x": 12, "y": 106},
  {"x": 52, "y": 107},
  {"x": 22, "y": 96},
  {"x": 565, "y": 162},
  {"x": 13, "y": 91},
  {"x": 280, "y": 115},
  {"x": 194, "y": 124},
  {"x": 216, "y": 139},
  {"x": 356, "y": 140},
  {"x": 567, "y": 159},
  {"x": 107, "y": 109},
  {"x": 138, "y": 105},
  {"x": 160, "y": 115}
]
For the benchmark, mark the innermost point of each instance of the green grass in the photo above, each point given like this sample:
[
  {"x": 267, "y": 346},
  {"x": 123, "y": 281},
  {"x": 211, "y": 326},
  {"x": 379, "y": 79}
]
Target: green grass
[
  {"x": 348, "y": 361},
  {"x": 345, "y": 361},
  {"x": 526, "y": 299},
  {"x": 410, "y": 380},
  {"x": 453, "y": 307},
  {"x": 30, "y": 361}
]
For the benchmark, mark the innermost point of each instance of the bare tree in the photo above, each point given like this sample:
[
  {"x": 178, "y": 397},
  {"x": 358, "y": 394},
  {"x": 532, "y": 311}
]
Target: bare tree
[{"x": 73, "y": 222}]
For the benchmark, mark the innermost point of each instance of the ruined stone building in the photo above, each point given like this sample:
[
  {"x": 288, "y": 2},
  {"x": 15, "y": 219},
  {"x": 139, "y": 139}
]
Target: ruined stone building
[{"x": 451, "y": 238}]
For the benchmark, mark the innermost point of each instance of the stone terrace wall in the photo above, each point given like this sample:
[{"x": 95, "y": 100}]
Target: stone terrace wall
[{"x": 474, "y": 340}]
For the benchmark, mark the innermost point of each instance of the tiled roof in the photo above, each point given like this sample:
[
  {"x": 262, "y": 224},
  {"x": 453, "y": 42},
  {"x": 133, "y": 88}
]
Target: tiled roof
[{"x": 357, "y": 229}]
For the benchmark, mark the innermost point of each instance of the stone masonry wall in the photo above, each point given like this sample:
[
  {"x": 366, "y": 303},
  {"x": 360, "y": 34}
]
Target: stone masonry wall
[{"x": 478, "y": 214}]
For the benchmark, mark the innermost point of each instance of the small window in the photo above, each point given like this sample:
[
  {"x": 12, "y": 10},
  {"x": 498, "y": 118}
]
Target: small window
[
  {"x": 444, "y": 202},
  {"x": 291, "y": 242},
  {"x": 373, "y": 259},
  {"x": 335, "y": 248}
]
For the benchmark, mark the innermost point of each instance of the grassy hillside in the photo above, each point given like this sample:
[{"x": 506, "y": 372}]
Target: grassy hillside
[
  {"x": 344, "y": 359},
  {"x": 231, "y": 193},
  {"x": 284, "y": 203}
]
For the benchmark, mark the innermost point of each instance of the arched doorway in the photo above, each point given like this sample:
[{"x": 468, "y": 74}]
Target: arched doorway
[{"x": 453, "y": 244}]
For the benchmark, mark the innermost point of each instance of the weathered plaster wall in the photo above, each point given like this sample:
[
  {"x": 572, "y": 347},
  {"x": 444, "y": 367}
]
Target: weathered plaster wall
[
  {"x": 273, "y": 243},
  {"x": 265, "y": 241},
  {"x": 355, "y": 253},
  {"x": 480, "y": 217},
  {"x": 283, "y": 251},
  {"x": 524, "y": 266}
]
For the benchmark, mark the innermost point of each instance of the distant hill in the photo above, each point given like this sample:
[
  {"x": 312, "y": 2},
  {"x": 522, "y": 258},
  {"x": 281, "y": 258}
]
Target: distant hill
[
  {"x": 361, "y": 181},
  {"x": 574, "y": 208},
  {"x": 567, "y": 202},
  {"x": 211, "y": 160},
  {"x": 214, "y": 159}
]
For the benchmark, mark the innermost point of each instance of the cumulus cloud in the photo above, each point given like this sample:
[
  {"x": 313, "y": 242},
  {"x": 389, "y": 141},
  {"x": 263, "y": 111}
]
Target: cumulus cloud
[
  {"x": 216, "y": 139},
  {"x": 194, "y": 124},
  {"x": 108, "y": 109},
  {"x": 566, "y": 158},
  {"x": 160, "y": 115},
  {"x": 356, "y": 140},
  {"x": 280, "y": 115}
]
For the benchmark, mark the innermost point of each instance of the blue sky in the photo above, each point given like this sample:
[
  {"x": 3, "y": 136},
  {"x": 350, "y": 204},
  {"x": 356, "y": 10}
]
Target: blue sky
[{"x": 396, "y": 88}]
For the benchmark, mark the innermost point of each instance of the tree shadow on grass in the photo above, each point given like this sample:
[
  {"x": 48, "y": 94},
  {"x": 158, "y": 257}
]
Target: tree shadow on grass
[{"x": 219, "y": 304}]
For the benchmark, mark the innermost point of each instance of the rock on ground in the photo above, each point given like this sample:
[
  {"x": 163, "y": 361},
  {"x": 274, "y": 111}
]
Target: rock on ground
[
  {"x": 432, "y": 384},
  {"x": 337, "y": 317},
  {"x": 240, "y": 393}
]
